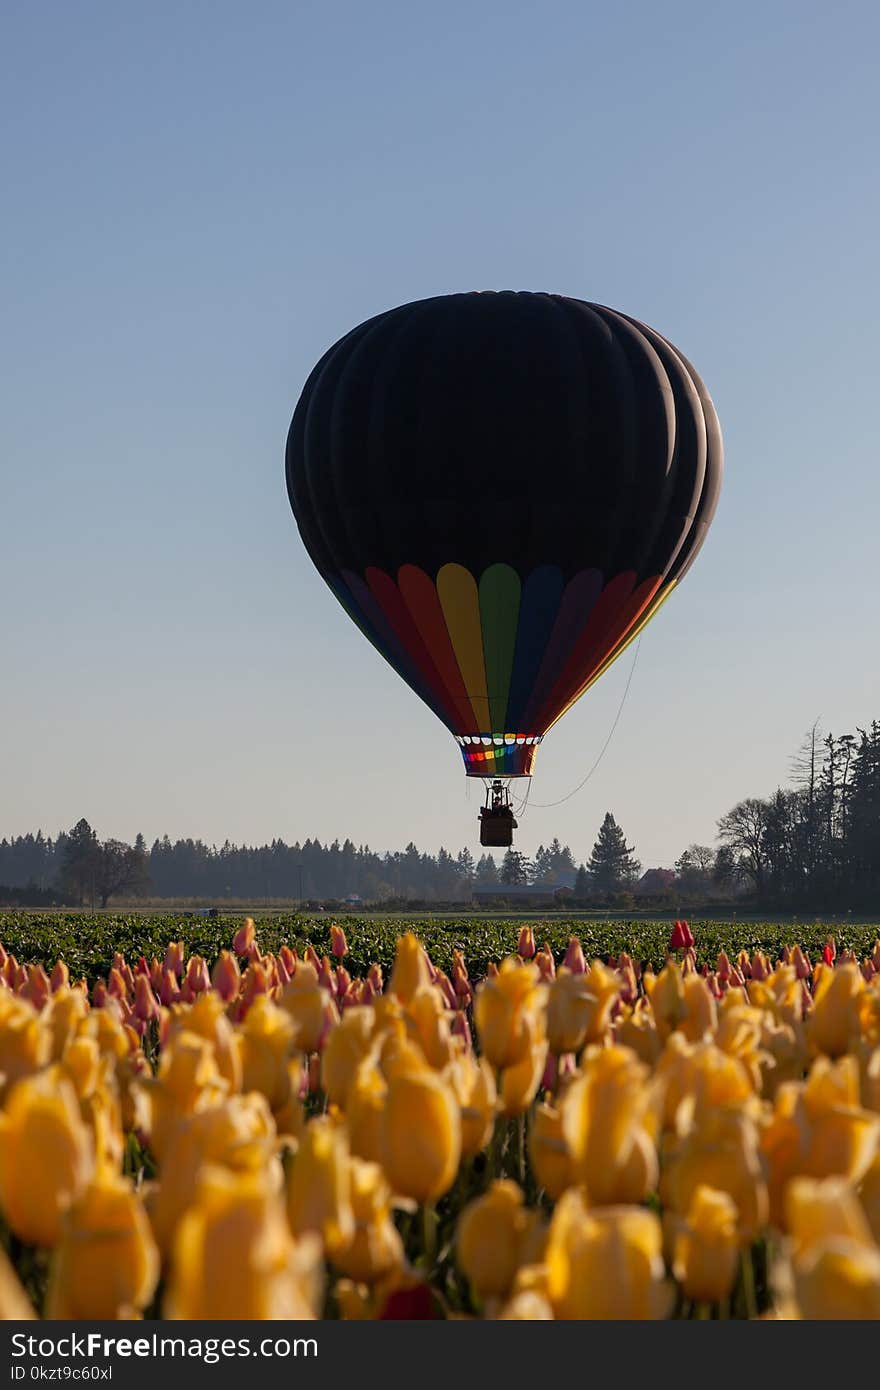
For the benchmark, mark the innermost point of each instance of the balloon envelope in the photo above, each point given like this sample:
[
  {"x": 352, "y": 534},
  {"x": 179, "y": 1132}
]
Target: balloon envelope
[{"x": 501, "y": 489}]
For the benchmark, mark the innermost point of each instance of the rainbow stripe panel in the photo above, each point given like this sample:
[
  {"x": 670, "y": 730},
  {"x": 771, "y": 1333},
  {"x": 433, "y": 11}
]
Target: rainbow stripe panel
[
  {"x": 498, "y": 755},
  {"x": 497, "y": 652}
]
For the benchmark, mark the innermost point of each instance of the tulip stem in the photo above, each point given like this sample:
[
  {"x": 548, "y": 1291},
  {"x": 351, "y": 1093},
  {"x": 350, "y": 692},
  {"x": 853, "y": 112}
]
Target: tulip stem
[
  {"x": 748, "y": 1279},
  {"x": 429, "y": 1233}
]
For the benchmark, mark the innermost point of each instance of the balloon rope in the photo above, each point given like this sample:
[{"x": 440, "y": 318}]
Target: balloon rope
[{"x": 545, "y": 805}]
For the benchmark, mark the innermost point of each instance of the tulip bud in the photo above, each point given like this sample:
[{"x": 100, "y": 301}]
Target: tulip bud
[
  {"x": 338, "y": 943},
  {"x": 146, "y": 1005},
  {"x": 574, "y": 957},
  {"x": 319, "y": 1185},
  {"x": 106, "y": 1265},
  {"x": 420, "y": 1135},
  {"x": 492, "y": 1231},
  {"x": 412, "y": 969},
  {"x": 525, "y": 946},
  {"x": 226, "y": 976},
  {"x": 244, "y": 938},
  {"x": 706, "y": 1246},
  {"x": 374, "y": 978},
  {"x": 197, "y": 976},
  {"x": 60, "y": 977},
  {"x": 46, "y": 1156},
  {"x": 174, "y": 954}
]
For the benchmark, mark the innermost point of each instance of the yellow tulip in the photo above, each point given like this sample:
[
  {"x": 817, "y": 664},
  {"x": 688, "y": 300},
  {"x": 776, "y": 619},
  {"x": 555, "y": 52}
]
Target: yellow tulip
[
  {"x": 606, "y": 1263},
  {"x": 473, "y": 1082},
  {"x": 237, "y": 1134},
  {"x": 706, "y": 1246},
  {"x": 46, "y": 1156},
  {"x": 818, "y": 1211},
  {"x": 364, "y": 1110},
  {"x": 106, "y": 1265},
  {"x": 700, "y": 1011},
  {"x": 206, "y": 1018},
  {"x": 266, "y": 1040},
  {"x": 604, "y": 987},
  {"x": 346, "y": 1047},
  {"x": 869, "y": 1193},
  {"x": 234, "y": 1257},
  {"x": 375, "y": 1249},
  {"x": 509, "y": 1012},
  {"x": 25, "y": 1041},
  {"x": 427, "y": 1021},
  {"x": 720, "y": 1150},
  {"x": 838, "y": 1280},
  {"x": 666, "y": 993},
  {"x": 188, "y": 1077},
  {"x": 701, "y": 1077},
  {"x": 571, "y": 1007},
  {"x": 818, "y": 1130},
  {"x": 15, "y": 1306},
  {"x": 411, "y": 971},
  {"x": 518, "y": 1085},
  {"x": 607, "y": 1123},
  {"x": 420, "y": 1135},
  {"x": 490, "y": 1238},
  {"x": 834, "y": 1025},
  {"x": 637, "y": 1030},
  {"x": 62, "y": 1016},
  {"x": 310, "y": 1007},
  {"x": 549, "y": 1152},
  {"x": 319, "y": 1186}
]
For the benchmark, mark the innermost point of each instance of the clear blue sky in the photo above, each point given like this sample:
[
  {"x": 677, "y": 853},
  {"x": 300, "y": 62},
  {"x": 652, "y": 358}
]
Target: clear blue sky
[{"x": 200, "y": 197}]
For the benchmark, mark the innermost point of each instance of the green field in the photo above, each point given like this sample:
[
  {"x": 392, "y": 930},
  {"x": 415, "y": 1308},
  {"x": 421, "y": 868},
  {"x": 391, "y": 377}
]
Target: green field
[{"x": 87, "y": 941}]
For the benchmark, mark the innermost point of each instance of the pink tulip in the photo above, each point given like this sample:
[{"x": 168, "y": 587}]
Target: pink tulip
[
  {"x": 174, "y": 957},
  {"x": 725, "y": 969},
  {"x": 155, "y": 975},
  {"x": 801, "y": 962},
  {"x": 36, "y": 988},
  {"x": 491, "y": 969},
  {"x": 226, "y": 976},
  {"x": 525, "y": 946},
  {"x": 574, "y": 957},
  {"x": 289, "y": 960},
  {"x": 462, "y": 1029},
  {"x": 99, "y": 994},
  {"x": 60, "y": 976},
  {"x": 244, "y": 937},
  {"x": 338, "y": 943},
  {"x": 169, "y": 989},
  {"x": 444, "y": 984},
  {"x": 197, "y": 976},
  {"x": 545, "y": 963},
  {"x": 146, "y": 1005},
  {"x": 326, "y": 977},
  {"x": 374, "y": 975}
]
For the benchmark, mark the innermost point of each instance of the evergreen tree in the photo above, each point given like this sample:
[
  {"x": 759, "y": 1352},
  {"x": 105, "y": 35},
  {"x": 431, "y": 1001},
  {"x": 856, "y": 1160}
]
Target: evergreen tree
[
  {"x": 515, "y": 868},
  {"x": 582, "y": 883},
  {"x": 612, "y": 865},
  {"x": 80, "y": 862}
]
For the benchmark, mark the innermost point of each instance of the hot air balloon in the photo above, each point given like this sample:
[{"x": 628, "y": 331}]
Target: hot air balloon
[{"x": 501, "y": 489}]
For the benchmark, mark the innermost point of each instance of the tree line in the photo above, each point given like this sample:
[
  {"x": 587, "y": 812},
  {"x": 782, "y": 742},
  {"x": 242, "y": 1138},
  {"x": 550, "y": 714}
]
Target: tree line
[
  {"x": 814, "y": 845},
  {"x": 78, "y": 869}
]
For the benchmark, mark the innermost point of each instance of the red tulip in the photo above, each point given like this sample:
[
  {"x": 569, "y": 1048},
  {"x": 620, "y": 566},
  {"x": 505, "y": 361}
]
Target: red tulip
[{"x": 681, "y": 937}]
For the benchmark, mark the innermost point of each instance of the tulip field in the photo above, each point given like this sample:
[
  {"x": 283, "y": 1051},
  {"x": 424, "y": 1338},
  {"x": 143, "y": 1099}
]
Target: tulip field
[{"x": 438, "y": 1119}]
